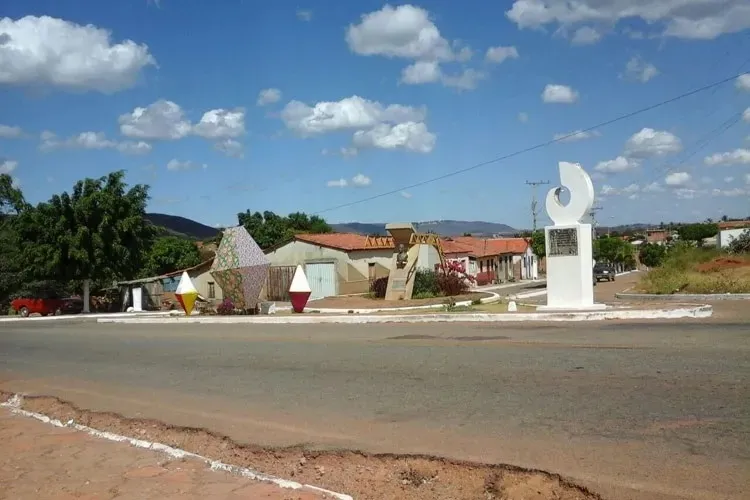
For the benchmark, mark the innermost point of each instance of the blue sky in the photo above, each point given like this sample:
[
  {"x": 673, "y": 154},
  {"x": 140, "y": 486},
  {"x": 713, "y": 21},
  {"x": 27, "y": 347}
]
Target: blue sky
[{"x": 234, "y": 105}]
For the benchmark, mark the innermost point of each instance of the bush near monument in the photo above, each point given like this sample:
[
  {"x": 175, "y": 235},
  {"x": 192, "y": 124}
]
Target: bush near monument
[{"x": 690, "y": 269}]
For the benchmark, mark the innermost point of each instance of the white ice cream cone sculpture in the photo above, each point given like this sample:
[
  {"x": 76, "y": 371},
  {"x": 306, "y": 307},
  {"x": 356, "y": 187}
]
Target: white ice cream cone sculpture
[{"x": 186, "y": 294}]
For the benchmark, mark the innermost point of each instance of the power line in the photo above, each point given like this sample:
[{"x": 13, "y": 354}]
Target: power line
[
  {"x": 533, "y": 148},
  {"x": 534, "y": 210}
]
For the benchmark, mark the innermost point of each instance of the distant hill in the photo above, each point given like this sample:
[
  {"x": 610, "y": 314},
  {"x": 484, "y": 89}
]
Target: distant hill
[
  {"x": 442, "y": 227},
  {"x": 182, "y": 227}
]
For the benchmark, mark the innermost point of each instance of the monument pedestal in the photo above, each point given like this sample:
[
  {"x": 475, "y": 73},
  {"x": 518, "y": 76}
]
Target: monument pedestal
[{"x": 570, "y": 278}]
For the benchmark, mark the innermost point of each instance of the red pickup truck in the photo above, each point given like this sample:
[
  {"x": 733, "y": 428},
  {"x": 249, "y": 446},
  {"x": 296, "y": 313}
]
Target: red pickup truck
[{"x": 49, "y": 305}]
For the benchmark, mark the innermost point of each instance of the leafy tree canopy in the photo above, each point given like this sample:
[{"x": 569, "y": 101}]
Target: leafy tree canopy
[
  {"x": 269, "y": 229},
  {"x": 538, "y": 244},
  {"x": 698, "y": 232},
  {"x": 652, "y": 255},
  {"x": 170, "y": 254},
  {"x": 97, "y": 232},
  {"x": 613, "y": 250},
  {"x": 11, "y": 203}
]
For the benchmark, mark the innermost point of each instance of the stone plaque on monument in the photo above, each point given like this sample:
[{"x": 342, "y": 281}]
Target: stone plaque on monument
[
  {"x": 399, "y": 285},
  {"x": 563, "y": 242}
]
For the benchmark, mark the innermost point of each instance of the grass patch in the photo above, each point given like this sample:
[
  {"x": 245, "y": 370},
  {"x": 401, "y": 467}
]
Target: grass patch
[{"x": 700, "y": 271}]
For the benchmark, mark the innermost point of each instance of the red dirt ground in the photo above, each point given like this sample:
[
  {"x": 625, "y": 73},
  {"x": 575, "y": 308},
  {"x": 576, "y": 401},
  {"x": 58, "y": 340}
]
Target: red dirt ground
[{"x": 722, "y": 263}]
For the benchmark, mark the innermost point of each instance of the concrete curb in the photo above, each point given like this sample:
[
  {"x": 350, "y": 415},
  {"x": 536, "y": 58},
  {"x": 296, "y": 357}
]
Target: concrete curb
[
  {"x": 702, "y": 311},
  {"x": 486, "y": 300},
  {"x": 14, "y": 405},
  {"x": 678, "y": 297},
  {"x": 86, "y": 317}
]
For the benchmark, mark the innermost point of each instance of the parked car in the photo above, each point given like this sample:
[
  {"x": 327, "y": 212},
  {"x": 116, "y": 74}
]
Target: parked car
[
  {"x": 604, "y": 272},
  {"x": 25, "y": 306},
  {"x": 46, "y": 304}
]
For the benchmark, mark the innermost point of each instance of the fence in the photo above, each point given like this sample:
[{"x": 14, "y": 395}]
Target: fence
[{"x": 278, "y": 282}]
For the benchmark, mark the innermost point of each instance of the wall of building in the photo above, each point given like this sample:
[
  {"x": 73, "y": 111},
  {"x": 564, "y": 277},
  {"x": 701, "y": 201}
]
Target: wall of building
[
  {"x": 726, "y": 236},
  {"x": 352, "y": 268}
]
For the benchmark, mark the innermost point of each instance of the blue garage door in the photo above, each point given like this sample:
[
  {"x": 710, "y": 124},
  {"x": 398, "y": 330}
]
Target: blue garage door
[{"x": 322, "y": 279}]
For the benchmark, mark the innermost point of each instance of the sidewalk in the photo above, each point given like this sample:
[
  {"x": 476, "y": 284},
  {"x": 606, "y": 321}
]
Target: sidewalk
[{"x": 42, "y": 461}]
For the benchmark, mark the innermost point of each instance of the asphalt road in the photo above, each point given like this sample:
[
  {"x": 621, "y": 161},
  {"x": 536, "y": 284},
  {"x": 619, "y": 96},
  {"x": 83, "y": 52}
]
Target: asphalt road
[{"x": 658, "y": 410}]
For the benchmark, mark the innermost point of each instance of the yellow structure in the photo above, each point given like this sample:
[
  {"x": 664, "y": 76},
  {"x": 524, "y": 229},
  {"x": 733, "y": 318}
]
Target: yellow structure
[{"x": 408, "y": 246}]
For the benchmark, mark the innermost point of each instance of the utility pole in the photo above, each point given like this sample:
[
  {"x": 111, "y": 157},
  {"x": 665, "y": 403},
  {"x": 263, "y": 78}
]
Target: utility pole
[
  {"x": 534, "y": 210},
  {"x": 592, "y": 214}
]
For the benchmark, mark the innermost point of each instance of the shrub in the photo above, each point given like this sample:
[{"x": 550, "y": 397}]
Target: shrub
[
  {"x": 452, "y": 279},
  {"x": 425, "y": 284},
  {"x": 225, "y": 308},
  {"x": 741, "y": 244},
  {"x": 652, "y": 255},
  {"x": 378, "y": 287}
]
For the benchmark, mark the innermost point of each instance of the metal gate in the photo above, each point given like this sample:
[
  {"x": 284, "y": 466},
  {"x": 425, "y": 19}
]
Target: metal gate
[
  {"x": 322, "y": 279},
  {"x": 279, "y": 280}
]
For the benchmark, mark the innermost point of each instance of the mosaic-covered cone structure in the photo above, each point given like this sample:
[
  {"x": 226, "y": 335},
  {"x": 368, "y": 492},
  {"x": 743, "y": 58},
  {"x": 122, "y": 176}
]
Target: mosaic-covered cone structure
[
  {"x": 186, "y": 293},
  {"x": 299, "y": 290},
  {"x": 240, "y": 268}
]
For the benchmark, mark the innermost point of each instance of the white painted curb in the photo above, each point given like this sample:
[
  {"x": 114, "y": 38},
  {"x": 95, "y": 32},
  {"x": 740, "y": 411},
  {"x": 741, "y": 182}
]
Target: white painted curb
[
  {"x": 463, "y": 303},
  {"x": 14, "y": 405},
  {"x": 704, "y": 311},
  {"x": 86, "y": 317}
]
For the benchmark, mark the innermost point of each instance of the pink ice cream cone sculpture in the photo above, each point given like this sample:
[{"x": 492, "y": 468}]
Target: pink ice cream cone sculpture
[{"x": 299, "y": 290}]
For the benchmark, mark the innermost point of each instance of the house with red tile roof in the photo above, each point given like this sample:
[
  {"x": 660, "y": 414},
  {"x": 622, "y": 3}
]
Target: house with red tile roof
[
  {"x": 336, "y": 263},
  {"x": 346, "y": 263},
  {"x": 493, "y": 259}
]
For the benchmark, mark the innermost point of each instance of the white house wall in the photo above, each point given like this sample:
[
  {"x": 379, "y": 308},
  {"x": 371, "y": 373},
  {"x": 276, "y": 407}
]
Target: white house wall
[{"x": 727, "y": 235}]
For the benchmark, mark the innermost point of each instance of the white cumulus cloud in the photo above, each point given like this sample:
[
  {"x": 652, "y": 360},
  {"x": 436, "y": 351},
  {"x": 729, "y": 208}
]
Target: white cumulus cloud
[
  {"x": 743, "y": 82},
  {"x": 649, "y": 143},
  {"x": 559, "y": 94},
  {"x": 576, "y": 135},
  {"x": 268, "y": 96},
  {"x": 639, "y": 70},
  {"x": 10, "y": 132},
  {"x": 93, "y": 141},
  {"x": 361, "y": 180},
  {"x": 619, "y": 164},
  {"x": 49, "y": 51},
  {"x": 500, "y": 54},
  {"x": 221, "y": 124},
  {"x": 677, "y": 179},
  {"x": 410, "y": 136},
  {"x": 7, "y": 166},
  {"x": 585, "y": 35},
  {"x": 230, "y": 147},
  {"x": 686, "y": 19},
  {"x": 177, "y": 165},
  {"x": 739, "y": 156},
  {"x": 160, "y": 120}
]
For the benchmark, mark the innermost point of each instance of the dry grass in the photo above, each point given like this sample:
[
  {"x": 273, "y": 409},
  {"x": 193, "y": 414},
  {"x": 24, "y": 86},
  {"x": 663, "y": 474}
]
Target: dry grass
[{"x": 701, "y": 271}]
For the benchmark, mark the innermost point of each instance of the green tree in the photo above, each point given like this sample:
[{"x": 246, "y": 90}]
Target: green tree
[
  {"x": 98, "y": 232},
  {"x": 11, "y": 204},
  {"x": 613, "y": 250},
  {"x": 652, "y": 255},
  {"x": 538, "y": 244},
  {"x": 269, "y": 229},
  {"x": 170, "y": 254},
  {"x": 698, "y": 232}
]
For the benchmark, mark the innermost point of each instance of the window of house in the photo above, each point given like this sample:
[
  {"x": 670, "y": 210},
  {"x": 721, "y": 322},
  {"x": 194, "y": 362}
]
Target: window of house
[{"x": 211, "y": 290}]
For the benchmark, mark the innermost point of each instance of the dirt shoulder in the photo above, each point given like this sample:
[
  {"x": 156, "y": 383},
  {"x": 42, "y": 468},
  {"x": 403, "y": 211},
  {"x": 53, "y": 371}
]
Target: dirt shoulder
[
  {"x": 43, "y": 461},
  {"x": 48, "y": 462}
]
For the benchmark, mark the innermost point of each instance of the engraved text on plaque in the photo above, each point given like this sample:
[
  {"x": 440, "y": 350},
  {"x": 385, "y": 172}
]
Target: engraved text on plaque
[{"x": 563, "y": 242}]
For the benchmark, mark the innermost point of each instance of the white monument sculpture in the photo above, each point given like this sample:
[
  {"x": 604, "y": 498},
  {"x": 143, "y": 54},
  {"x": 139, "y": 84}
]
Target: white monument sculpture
[{"x": 570, "y": 279}]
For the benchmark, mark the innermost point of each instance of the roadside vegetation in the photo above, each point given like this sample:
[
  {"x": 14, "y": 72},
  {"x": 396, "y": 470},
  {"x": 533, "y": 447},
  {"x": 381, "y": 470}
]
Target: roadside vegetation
[{"x": 687, "y": 268}]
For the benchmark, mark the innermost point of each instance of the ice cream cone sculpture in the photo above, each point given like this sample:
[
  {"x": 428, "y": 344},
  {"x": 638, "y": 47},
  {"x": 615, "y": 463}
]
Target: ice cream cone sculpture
[
  {"x": 299, "y": 290},
  {"x": 186, "y": 294}
]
